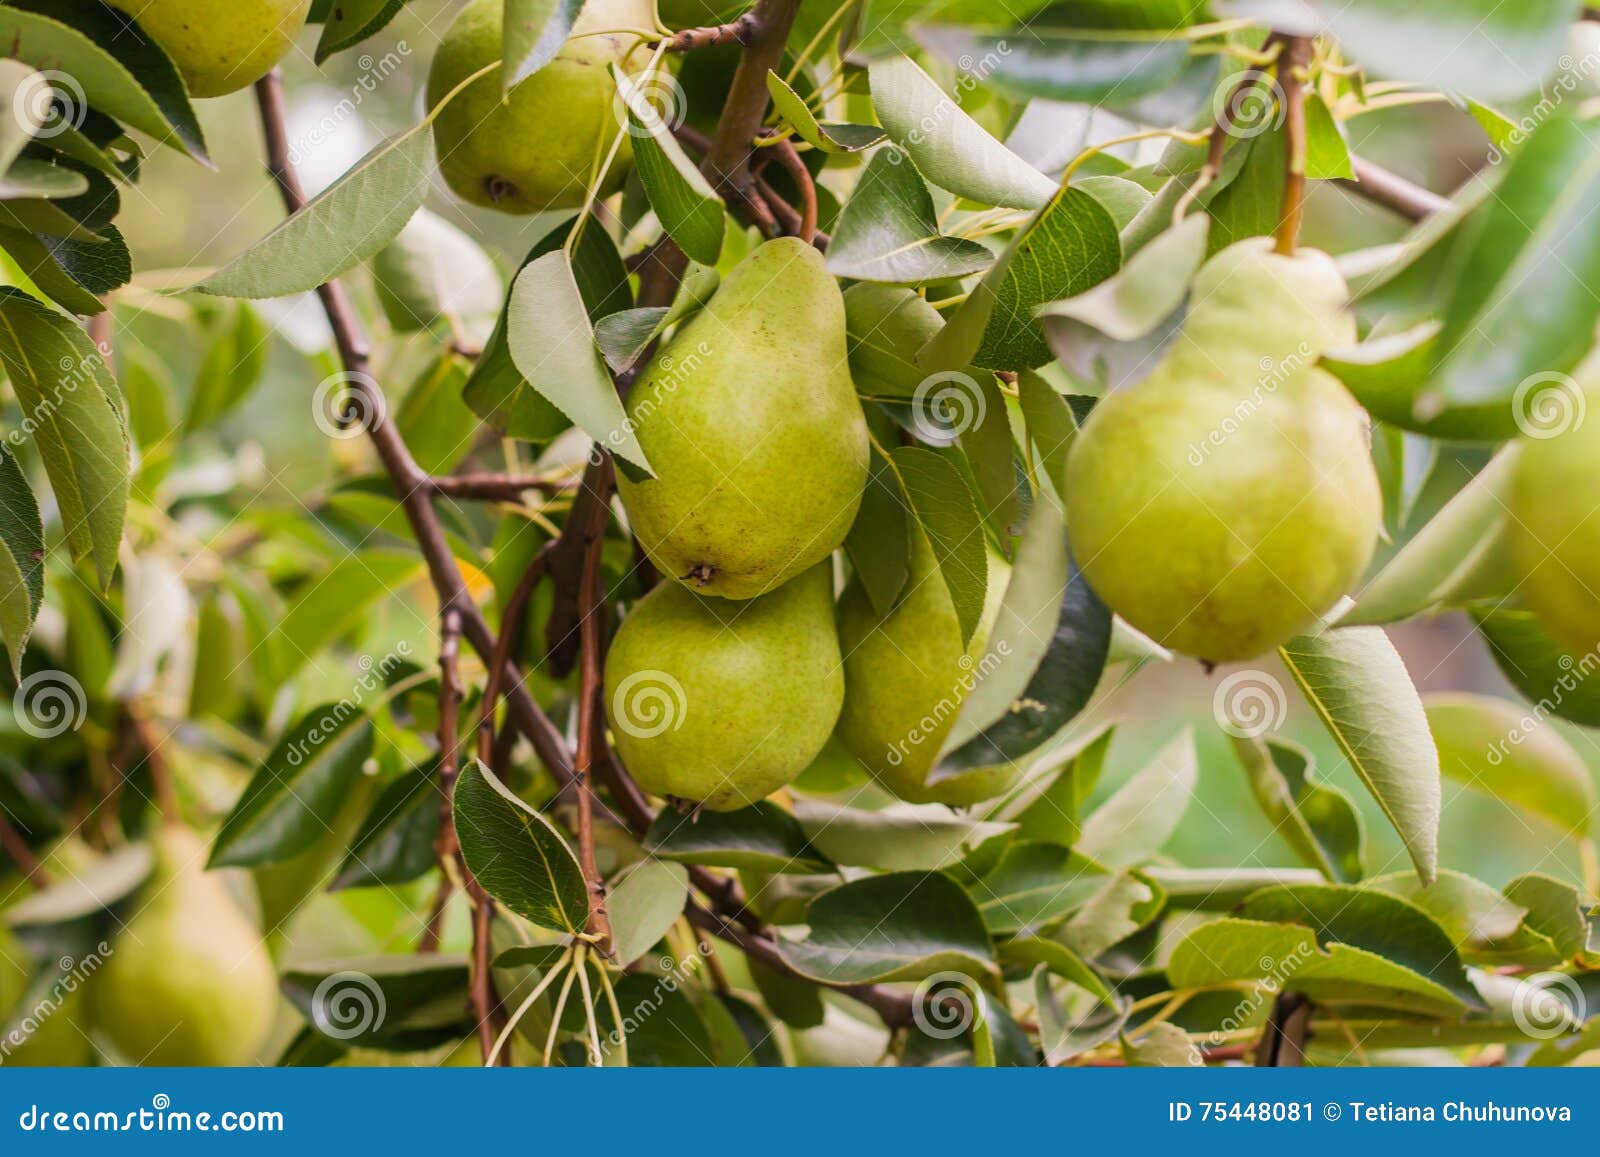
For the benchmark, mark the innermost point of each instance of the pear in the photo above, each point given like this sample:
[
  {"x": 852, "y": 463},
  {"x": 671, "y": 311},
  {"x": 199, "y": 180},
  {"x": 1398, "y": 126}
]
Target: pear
[
  {"x": 1228, "y": 501},
  {"x": 1555, "y": 530},
  {"x": 722, "y": 703},
  {"x": 220, "y": 46},
  {"x": 906, "y": 676},
  {"x": 751, "y": 422},
  {"x": 45, "y": 1033},
  {"x": 533, "y": 150},
  {"x": 188, "y": 981}
]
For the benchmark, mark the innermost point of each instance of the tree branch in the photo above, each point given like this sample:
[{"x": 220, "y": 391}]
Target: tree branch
[
  {"x": 789, "y": 157},
  {"x": 21, "y": 854},
  {"x": 590, "y": 626},
  {"x": 498, "y": 487},
  {"x": 1382, "y": 187},
  {"x": 734, "y": 32},
  {"x": 1283, "y": 1040}
]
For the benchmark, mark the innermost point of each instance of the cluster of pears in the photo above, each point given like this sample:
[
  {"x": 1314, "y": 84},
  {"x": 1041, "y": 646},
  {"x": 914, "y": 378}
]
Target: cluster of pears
[
  {"x": 724, "y": 684},
  {"x": 533, "y": 149},
  {"x": 1229, "y": 501},
  {"x": 220, "y": 46},
  {"x": 1555, "y": 526}
]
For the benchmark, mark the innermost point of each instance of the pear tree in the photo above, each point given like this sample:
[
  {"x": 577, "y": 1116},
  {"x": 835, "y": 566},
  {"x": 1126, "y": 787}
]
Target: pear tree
[{"x": 799, "y": 532}]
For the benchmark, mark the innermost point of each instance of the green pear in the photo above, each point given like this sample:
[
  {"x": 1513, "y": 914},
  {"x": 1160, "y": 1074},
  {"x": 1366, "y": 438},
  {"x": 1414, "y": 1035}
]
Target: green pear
[
  {"x": 907, "y": 674},
  {"x": 534, "y": 150},
  {"x": 220, "y": 46},
  {"x": 722, "y": 703},
  {"x": 1555, "y": 529},
  {"x": 189, "y": 981},
  {"x": 699, "y": 13},
  {"x": 49, "y": 1031},
  {"x": 751, "y": 422},
  {"x": 1228, "y": 501}
]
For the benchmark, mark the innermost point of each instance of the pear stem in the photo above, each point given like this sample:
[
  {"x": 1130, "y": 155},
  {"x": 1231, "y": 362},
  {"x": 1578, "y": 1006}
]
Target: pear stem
[
  {"x": 1292, "y": 67},
  {"x": 789, "y": 157}
]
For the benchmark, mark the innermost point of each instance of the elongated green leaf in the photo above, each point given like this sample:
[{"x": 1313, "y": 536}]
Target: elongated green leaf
[
  {"x": 762, "y": 837},
  {"x": 291, "y": 801},
  {"x": 67, "y": 392},
  {"x": 901, "y": 837},
  {"x": 950, "y": 148},
  {"x": 1316, "y": 819},
  {"x": 1539, "y": 667},
  {"x": 517, "y": 854},
  {"x": 34, "y": 257},
  {"x": 434, "y": 272},
  {"x": 532, "y": 33},
  {"x": 91, "y": 888},
  {"x": 830, "y": 138},
  {"x": 394, "y": 844},
  {"x": 349, "y": 22},
  {"x": 1035, "y": 885},
  {"x": 1100, "y": 68},
  {"x": 401, "y": 1002},
  {"x": 118, "y": 70},
  {"x": 1487, "y": 927},
  {"x": 1497, "y": 747},
  {"x": 1142, "y": 815},
  {"x": 1388, "y": 375},
  {"x": 1358, "y": 685},
  {"x": 342, "y": 226},
  {"x": 644, "y": 906},
  {"x": 552, "y": 344},
  {"x": 889, "y": 231},
  {"x": 877, "y": 542},
  {"x": 684, "y": 201},
  {"x": 899, "y": 926},
  {"x": 21, "y": 562},
  {"x": 17, "y": 82},
  {"x": 946, "y": 512}
]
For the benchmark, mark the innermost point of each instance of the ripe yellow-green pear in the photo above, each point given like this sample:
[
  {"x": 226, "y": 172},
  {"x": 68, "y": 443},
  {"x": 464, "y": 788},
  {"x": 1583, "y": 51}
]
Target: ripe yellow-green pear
[
  {"x": 1555, "y": 529},
  {"x": 751, "y": 422},
  {"x": 906, "y": 676},
  {"x": 722, "y": 703},
  {"x": 1229, "y": 500},
  {"x": 189, "y": 981},
  {"x": 220, "y": 46},
  {"x": 50, "y": 1033},
  {"x": 699, "y": 13},
  {"x": 533, "y": 150}
]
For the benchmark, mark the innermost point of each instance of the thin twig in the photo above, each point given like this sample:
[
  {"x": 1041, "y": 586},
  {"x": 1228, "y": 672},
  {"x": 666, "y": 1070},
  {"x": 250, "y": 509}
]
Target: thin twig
[
  {"x": 510, "y": 631},
  {"x": 734, "y": 32},
  {"x": 588, "y": 700},
  {"x": 1292, "y": 66},
  {"x": 21, "y": 854},
  {"x": 789, "y": 157},
  {"x": 1392, "y": 191},
  {"x": 499, "y": 487}
]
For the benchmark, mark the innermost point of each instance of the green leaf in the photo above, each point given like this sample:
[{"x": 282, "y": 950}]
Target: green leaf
[
  {"x": 231, "y": 368},
  {"x": 28, "y": 178},
  {"x": 532, "y": 34},
  {"x": 889, "y": 231},
  {"x": 1539, "y": 667},
  {"x": 436, "y": 423},
  {"x": 21, "y": 562},
  {"x": 1359, "y": 687},
  {"x": 17, "y": 83},
  {"x": 296, "y": 792},
  {"x": 434, "y": 272},
  {"x": 1316, "y": 819},
  {"x": 624, "y": 336},
  {"x": 1250, "y": 204},
  {"x": 552, "y": 343},
  {"x": 1327, "y": 151},
  {"x": 401, "y": 1002},
  {"x": 1388, "y": 374},
  {"x": 762, "y": 838},
  {"x": 899, "y": 926},
  {"x": 67, "y": 391},
  {"x": 337, "y": 600},
  {"x": 644, "y": 906},
  {"x": 684, "y": 201},
  {"x": 1030, "y": 951},
  {"x": 342, "y": 226},
  {"x": 517, "y": 854},
  {"x": 394, "y": 844},
  {"x": 1125, "y": 902},
  {"x": 830, "y": 138},
  {"x": 116, "y": 69},
  {"x": 877, "y": 542},
  {"x": 349, "y": 22},
  {"x": 944, "y": 508},
  {"x": 1486, "y": 927},
  {"x": 1163, "y": 1045},
  {"x": 1035, "y": 885},
  {"x": 1048, "y": 802},
  {"x": 1523, "y": 277},
  {"x": 1136, "y": 821},
  {"x": 86, "y": 891},
  {"x": 671, "y": 1035},
  {"x": 900, "y": 837},
  {"x": 1497, "y": 747},
  {"x": 1555, "y": 911},
  {"x": 1050, "y": 423},
  {"x": 950, "y": 148}
]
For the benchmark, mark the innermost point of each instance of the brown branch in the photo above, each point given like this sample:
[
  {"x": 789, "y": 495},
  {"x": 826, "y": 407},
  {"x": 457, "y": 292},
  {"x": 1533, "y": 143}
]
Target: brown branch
[
  {"x": 1222, "y": 127},
  {"x": 727, "y": 164},
  {"x": 588, "y": 703},
  {"x": 734, "y": 32},
  {"x": 1392, "y": 191},
  {"x": 1292, "y": 66},
  {"x": 433, "y": 926},
  {"x": 499, "y": 487},
  {"x": 21, "y": 854},
  {"x": 409, "y": 480},
  {"x": 789, "y": 157},
  {"x": 510, "y": 631},
  {"x": 143, "y": 733}
]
